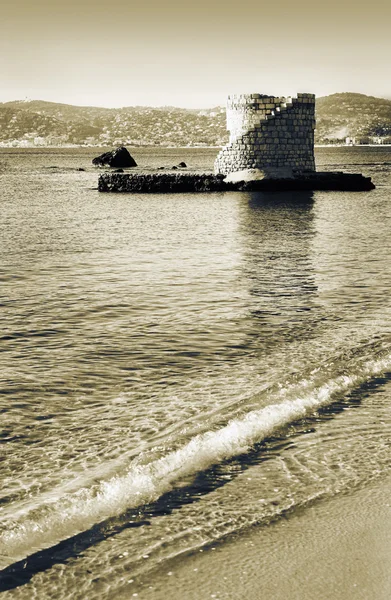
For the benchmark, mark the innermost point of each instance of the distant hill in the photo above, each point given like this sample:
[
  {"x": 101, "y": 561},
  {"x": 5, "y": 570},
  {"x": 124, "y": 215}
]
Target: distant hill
[
  {"x": 352, "y": 115},
  {"x": 43, "y": 123},
  {"x": 21, "y": 124},
  {"x": 49, "y": 123}
]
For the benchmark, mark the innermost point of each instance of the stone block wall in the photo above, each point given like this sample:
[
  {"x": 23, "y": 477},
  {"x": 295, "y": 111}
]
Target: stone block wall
[{"x": 274, "y": 135}]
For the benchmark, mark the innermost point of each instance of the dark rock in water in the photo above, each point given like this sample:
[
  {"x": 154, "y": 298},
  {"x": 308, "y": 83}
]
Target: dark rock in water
[
  {"x": 80, "y": 169},
  {"x": 161, "y": 168},
  {"x": 119, "y": 157},
  {"x": 174, "y": 167},
  {"x": 118, "y": 171},
  {"x": 182, "y": 165}
]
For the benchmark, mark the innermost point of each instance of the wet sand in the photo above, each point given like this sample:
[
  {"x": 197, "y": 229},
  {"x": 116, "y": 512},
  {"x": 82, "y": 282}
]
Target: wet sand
[{"x": 339, "y": 549}]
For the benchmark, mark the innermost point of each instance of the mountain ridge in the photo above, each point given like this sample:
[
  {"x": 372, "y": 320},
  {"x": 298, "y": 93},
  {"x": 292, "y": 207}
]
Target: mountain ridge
[{"x": 44, "y": 123}]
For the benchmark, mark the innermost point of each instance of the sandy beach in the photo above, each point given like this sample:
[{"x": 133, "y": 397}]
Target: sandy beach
[{"x": 338, "y": 549}]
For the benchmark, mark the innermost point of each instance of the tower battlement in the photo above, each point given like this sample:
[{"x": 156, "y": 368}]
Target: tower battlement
[{"x": 272, "y": 134}]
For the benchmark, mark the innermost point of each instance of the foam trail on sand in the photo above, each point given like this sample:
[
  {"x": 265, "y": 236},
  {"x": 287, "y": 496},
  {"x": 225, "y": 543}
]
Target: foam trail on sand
[{"x": 63, "y": 516}]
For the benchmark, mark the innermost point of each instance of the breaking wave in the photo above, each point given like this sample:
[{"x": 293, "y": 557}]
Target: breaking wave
[{"x": 63, "y": 516}]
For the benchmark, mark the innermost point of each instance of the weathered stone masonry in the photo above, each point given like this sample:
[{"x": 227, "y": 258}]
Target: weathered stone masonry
[{"x": 274, "y": 135}]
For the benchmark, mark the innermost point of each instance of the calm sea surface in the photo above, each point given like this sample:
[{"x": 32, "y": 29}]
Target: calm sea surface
[{"x": 176, "y": 368}]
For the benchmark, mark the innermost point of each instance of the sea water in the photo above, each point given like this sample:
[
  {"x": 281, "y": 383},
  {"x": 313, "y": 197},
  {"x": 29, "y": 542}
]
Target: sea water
[{"x": 177, "y": 368}]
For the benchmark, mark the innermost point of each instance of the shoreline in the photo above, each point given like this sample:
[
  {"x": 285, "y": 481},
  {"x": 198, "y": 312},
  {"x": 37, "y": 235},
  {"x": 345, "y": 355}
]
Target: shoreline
[
  {"x": 337, "y": 549},
  {"x": 152, "y": 147}
]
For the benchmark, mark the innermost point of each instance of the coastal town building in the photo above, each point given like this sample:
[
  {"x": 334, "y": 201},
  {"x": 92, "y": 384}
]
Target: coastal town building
[{"x": 272, "y": 135}]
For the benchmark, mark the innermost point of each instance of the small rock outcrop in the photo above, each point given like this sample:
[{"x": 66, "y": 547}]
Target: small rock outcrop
[{"x": 118, "y": 158}]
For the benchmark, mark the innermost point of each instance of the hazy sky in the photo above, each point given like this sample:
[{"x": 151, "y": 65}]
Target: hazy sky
[{"x": 124, "y": 53}]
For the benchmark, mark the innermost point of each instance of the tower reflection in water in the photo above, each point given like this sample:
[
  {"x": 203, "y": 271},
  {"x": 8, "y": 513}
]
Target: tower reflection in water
[{"x": 278, "y": 231}]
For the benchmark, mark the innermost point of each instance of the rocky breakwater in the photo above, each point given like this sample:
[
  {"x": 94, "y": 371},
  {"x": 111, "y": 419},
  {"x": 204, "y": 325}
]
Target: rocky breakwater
[
  {"x": 147, "y": 183},
  {"x": 160, "y": 182}
]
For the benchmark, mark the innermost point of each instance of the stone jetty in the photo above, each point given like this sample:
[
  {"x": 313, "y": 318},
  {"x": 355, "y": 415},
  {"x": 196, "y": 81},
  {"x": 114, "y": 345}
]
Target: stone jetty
[{"x": 144, "y": 183}]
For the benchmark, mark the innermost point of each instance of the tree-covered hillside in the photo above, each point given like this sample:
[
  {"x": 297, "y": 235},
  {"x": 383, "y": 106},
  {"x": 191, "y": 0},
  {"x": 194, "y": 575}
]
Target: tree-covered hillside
[
  {"x": 137, "y": 125},
  {"x": 47, "y": 123},
  {"x": 354, "y": 115}
]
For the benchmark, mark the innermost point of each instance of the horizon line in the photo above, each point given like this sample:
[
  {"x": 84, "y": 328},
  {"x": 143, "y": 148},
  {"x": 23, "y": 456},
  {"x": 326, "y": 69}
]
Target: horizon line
[{"x": 163, "y": 106}]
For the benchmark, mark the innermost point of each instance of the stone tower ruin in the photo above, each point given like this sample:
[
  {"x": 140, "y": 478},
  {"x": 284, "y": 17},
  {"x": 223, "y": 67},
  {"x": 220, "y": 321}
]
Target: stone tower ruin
[{"x": 273, "y": 135}]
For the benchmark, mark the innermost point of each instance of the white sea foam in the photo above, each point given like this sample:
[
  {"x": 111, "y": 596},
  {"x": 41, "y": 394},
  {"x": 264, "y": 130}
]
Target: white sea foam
[{"x": 64, "y": 516}]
